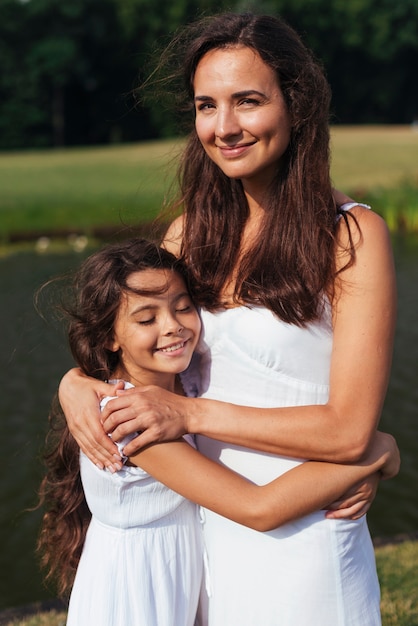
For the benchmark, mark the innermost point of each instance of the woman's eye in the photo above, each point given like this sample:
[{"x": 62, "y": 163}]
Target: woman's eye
[
  {"x": 205, "y": 106},
  {"x": 250, "y": 101},
  {"x": 184, "y": 309}
]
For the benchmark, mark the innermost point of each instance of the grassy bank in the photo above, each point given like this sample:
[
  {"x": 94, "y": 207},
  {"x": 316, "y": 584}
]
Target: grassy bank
[
  {"x": 398, "y": 575},
  {"x": 115, "y": 186}
]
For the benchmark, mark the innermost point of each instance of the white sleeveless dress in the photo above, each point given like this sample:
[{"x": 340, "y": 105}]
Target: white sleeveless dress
[
  {"x": 314, "y": 571},
  {"x": 142, "y": 560}
]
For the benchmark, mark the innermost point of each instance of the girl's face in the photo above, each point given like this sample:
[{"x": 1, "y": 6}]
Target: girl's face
[
  {"x": 156, "y": 334},
  {"x": 242, "y": 119}
]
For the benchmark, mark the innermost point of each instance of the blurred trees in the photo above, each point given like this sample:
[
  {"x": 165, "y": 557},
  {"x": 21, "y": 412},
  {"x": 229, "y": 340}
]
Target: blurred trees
[{"x": 67, "y": 67}]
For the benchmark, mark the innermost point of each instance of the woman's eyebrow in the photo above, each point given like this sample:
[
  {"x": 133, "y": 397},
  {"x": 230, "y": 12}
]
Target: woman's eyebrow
[{"x": 235, "y": 96}]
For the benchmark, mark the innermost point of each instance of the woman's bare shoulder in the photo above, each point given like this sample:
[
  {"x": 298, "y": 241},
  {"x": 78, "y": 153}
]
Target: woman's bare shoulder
[
  {"x": 174, "y": 235},
  {"x": 366, "y": 231}
]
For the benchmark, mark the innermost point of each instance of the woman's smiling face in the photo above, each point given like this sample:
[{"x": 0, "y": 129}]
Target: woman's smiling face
[{"x": 242, "y": 119}]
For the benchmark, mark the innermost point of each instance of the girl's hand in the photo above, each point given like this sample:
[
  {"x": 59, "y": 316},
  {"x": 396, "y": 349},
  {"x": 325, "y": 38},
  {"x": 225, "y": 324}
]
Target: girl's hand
[
  {"x": 356, "y": 502},
  {"x": 80, "y": 398},
  {"x": 156, "y": 414}
]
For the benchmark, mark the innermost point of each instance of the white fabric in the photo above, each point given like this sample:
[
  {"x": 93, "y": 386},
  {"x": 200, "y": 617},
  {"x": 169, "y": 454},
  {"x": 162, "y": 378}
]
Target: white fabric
[
  {"x": 313, "y": 572},
  {"x": 350, "y": 205},
  {"x": 142, "y": 560}
]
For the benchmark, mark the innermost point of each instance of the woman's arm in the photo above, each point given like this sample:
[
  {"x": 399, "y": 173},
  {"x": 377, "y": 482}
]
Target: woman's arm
[
  {"x": 84, "y": 416},
  {"x": 339, "y": 431},
  {"x": 308, "y": 487}
]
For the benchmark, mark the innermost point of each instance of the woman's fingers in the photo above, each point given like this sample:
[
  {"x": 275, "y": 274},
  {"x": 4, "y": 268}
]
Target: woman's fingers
[{"x": 151, "y": 411}]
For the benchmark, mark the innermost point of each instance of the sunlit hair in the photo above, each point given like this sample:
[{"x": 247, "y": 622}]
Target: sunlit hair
[
  {"x": 291, "y": 264},
  {"x": 91, "y": 306}
]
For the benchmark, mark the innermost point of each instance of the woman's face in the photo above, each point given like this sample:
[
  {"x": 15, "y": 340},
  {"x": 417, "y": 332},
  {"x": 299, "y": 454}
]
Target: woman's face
[{"x": 242, "y": 119}]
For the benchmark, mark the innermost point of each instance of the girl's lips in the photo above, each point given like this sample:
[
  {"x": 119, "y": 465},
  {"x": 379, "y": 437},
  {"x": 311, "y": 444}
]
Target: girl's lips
[{"x": 172, "y": 347}]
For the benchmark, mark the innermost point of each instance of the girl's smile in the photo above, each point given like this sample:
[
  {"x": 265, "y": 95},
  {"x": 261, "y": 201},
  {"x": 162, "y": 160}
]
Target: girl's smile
[{"x": 156, "y": 334}]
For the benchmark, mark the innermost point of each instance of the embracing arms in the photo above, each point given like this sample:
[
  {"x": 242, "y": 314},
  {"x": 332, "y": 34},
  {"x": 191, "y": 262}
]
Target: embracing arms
[
  {"x": 306, "y": 488},
  {"x": 339, "y": 431}
]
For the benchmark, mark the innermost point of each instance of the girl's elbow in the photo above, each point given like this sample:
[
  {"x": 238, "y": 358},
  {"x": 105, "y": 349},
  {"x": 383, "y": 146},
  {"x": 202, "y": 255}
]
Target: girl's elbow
[{"x": 264, "y": 517}]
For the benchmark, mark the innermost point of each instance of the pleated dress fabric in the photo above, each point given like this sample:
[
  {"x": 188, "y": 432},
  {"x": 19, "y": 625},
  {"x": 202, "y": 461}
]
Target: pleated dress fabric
[{"x": 142, "y": 561}]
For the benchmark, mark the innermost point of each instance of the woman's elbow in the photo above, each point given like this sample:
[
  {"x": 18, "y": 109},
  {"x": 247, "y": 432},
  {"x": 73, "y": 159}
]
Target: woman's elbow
[{"x": 351, "y": 448}]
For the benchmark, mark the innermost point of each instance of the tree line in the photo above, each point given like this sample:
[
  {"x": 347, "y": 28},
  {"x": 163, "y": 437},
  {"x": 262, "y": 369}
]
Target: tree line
[{"x": 68, "y": 67}]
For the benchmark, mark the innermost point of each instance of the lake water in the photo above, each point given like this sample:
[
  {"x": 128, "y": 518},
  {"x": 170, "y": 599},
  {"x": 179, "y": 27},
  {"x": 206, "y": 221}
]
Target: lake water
[{"x": 34, "y": 356}]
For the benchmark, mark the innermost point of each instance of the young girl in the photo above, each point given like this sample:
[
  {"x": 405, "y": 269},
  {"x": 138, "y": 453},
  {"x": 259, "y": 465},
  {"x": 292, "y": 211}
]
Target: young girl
[{"x": 142, "y": 554}]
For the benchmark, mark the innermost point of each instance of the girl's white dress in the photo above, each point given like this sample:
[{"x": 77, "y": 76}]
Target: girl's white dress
[
  {"x": 314, "y": 571},
  {"x": 142, "y": 560}
]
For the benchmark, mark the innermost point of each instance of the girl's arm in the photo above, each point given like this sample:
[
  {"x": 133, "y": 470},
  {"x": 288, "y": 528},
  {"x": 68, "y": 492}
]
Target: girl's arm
[
  {"x": 308, "y": 487},
  {"x": 339, "y": 431}
]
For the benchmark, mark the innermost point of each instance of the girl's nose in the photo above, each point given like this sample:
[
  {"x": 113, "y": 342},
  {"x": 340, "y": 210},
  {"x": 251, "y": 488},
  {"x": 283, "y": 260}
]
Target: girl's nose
[{"x": 173, "y": 327}]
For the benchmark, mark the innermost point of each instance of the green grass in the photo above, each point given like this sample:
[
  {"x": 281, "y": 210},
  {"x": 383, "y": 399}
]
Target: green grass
[
  {"x": 370, "y": 157},
  {"x": 84, "y": 188},
  {"x": 397, "y": 565}
]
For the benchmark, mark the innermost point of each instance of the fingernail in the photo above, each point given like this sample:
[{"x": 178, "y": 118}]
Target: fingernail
[{"x": 100, "y": 466}]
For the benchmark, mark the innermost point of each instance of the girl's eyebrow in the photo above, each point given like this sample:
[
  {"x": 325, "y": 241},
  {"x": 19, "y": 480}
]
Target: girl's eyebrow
[
  {"x": 235, "y": 96},
  {"x": 153, "y": 306},
  {"x": 145, "y": 307}
]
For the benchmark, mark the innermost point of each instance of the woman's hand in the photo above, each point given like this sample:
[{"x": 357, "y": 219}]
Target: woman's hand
[
  {"x": 80, "y": 397},
  {"x": 158, "y": 415},
  {"x": 358, "y": 500}
]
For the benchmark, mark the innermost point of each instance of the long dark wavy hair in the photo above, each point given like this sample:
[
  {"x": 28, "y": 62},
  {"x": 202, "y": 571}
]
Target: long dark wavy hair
[
  {"x": 91, "y": 305},
  {"x": 292, "y": 263}
]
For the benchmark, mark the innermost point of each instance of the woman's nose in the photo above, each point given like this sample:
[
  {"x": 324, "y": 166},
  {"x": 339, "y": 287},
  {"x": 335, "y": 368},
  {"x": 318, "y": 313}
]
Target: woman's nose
[{"x": 227, "y": 123}]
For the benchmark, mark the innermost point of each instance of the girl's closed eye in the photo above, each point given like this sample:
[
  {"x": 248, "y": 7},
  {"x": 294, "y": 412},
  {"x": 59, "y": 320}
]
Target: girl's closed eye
[{"x": 147, "y": 322}]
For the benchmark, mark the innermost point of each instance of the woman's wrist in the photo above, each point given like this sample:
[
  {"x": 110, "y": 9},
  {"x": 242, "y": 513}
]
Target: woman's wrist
[{"x": 190, "y": 411}]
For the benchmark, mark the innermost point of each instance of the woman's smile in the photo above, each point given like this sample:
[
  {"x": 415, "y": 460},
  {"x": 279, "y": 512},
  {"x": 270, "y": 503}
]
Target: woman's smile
[{"x": 242, "y": 119}]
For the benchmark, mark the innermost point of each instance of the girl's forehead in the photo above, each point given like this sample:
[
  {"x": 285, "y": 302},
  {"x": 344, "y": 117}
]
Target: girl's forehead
[{"x": 155, "y": 280}]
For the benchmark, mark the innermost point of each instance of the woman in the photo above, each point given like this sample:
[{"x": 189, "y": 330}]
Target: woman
[{"x": 298, "y": 310}]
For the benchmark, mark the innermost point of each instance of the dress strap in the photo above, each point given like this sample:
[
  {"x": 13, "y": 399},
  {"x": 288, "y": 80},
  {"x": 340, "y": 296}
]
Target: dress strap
[{"x": 349, "y": 205}]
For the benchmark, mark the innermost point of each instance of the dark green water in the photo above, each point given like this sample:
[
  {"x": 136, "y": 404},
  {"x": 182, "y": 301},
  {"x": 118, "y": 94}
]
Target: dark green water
[{"x": 33, "y": 357}]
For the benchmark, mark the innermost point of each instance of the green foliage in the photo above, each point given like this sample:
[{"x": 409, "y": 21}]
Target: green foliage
[
  {"x": 370, "y": 51},
  {"x": 67, "y": 67}
]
